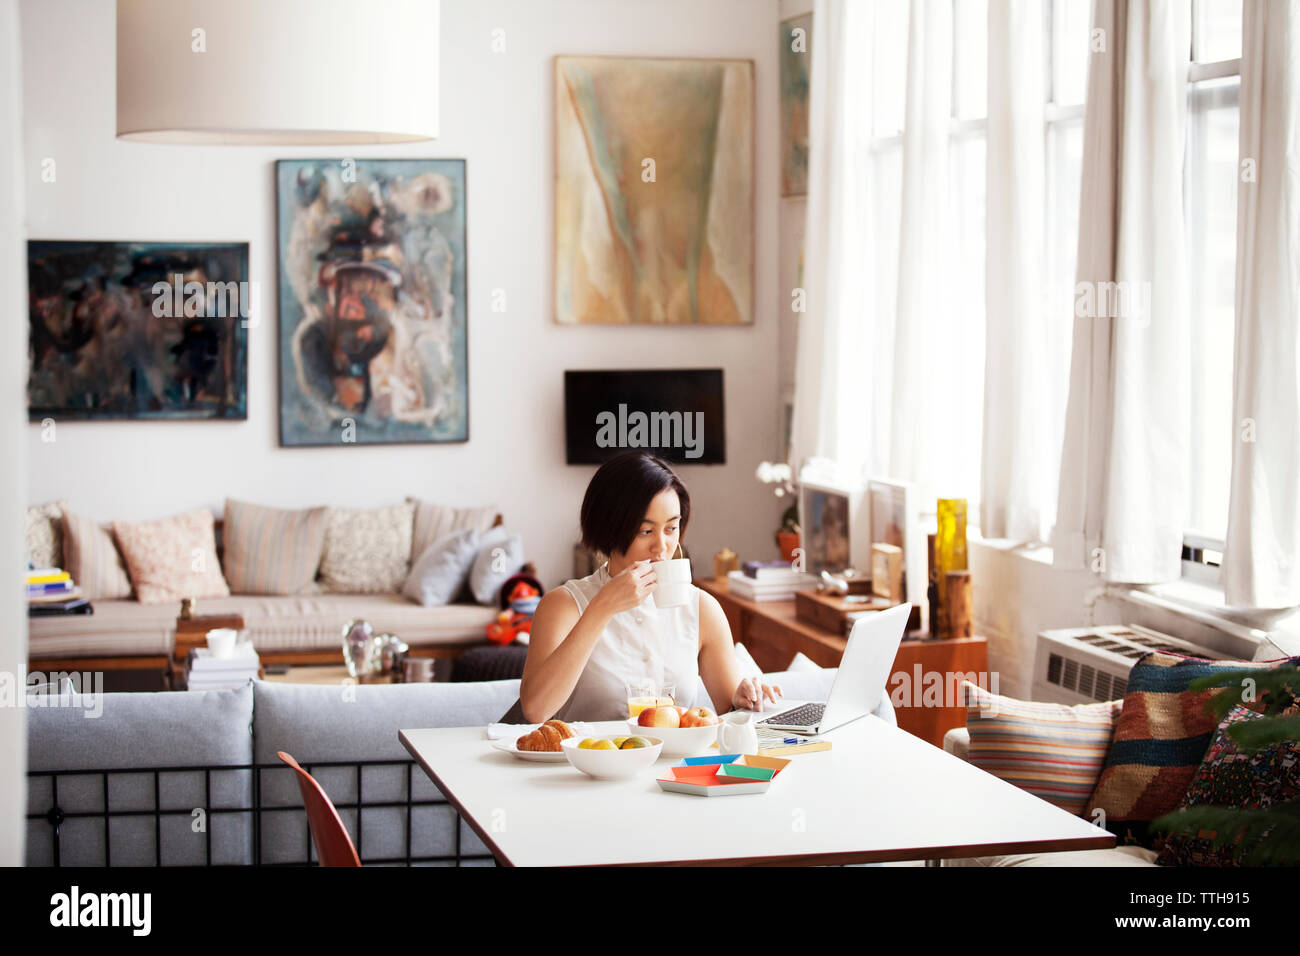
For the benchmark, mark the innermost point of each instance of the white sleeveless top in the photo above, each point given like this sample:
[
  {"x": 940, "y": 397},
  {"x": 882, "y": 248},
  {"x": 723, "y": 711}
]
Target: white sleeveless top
[{"x": 644, "y": 641}]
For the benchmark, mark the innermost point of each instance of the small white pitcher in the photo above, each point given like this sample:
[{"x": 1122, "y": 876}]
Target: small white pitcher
[{"x": 737, "y": 733}]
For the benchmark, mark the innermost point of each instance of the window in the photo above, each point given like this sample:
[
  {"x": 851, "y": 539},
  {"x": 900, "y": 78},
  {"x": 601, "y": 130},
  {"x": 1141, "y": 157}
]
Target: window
[
  {"x": 1210, "y": 208},
  {"x": 1066, "y": 24}
]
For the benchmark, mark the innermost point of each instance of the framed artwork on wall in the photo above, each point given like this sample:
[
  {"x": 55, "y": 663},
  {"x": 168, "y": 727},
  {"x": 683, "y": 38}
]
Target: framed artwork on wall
[
  {"x": 137, "y": 330},
  {"x": 372, "y": 304},
  {"x": 796, "y": 69},
  {"x": 654, "y": 191}
]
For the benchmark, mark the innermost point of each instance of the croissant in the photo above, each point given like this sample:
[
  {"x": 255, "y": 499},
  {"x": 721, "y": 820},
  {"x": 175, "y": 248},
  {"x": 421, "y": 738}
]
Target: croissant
[{"x": 545, "y": 738}]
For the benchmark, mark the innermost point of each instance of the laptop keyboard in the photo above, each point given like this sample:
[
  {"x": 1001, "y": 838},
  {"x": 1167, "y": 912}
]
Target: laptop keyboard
[{"x": 809, "y": 715}]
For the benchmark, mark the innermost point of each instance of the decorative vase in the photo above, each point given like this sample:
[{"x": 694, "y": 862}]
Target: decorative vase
[{"x": 949, "y": 552}]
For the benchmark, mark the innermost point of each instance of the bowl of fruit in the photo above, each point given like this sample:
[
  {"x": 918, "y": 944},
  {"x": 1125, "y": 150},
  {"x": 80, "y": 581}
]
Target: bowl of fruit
[
  {"x": 612, "y": 758},
  {"x": 686, "y": 731}
]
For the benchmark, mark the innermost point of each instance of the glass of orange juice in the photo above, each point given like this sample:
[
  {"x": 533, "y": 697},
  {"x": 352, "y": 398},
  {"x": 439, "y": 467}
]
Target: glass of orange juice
[{"x": 644, "y": 692}]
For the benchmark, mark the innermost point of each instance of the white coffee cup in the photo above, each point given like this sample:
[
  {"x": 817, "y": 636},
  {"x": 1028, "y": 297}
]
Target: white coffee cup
[
  {"x": 221, "y": 642},
  {"x": 672, "y": 582}
]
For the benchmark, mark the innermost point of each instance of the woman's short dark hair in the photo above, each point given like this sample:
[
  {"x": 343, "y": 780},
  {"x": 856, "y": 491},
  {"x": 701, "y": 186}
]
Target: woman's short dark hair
[{"x": 619, "y": 494}]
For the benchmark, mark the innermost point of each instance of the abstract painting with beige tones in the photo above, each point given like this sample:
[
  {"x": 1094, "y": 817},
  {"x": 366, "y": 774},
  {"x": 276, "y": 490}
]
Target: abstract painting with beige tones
[{"x": 654, "y": 191}]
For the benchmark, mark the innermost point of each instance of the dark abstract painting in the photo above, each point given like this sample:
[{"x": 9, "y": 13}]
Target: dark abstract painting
[
  {"x": 372, "y": 301},
  {"x": 137, "y": 330}
]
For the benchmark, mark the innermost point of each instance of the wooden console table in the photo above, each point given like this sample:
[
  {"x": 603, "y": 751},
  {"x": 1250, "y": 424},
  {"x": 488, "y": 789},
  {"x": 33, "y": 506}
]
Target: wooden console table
[{"x": 773, "y": 634}]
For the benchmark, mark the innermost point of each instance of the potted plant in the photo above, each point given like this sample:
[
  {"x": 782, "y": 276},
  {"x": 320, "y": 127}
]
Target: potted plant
[{"x": 787, "y": 536}]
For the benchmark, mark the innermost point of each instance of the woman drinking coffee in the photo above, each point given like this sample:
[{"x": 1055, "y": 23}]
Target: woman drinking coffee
[{"x": 593, "y": 635}]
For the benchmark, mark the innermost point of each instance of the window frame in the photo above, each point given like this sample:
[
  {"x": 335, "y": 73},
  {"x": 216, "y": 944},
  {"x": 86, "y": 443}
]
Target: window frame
[{"x": 1202, "y": 554}]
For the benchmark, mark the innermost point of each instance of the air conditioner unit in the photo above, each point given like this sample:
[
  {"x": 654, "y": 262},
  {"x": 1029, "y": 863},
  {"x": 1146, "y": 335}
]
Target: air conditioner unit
[{"x": 1087, "y": 664}]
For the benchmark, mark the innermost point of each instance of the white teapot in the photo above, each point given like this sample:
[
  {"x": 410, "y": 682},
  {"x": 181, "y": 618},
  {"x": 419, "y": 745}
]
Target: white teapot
[{"x": 737, "y": 734}]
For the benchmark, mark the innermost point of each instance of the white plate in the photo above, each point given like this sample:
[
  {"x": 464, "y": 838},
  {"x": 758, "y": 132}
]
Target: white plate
[{"x": 507, "y": 745}]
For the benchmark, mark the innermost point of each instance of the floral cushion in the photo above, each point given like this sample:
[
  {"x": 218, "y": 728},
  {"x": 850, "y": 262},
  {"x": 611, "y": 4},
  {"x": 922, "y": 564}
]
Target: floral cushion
[
  {"x": 172, "y": 558},
  {"x": 1232, "y": 777}
]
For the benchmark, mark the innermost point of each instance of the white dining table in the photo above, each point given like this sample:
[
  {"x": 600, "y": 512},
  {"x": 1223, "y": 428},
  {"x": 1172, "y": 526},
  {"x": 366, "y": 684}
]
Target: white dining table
[{"x": 878, "y": 795}]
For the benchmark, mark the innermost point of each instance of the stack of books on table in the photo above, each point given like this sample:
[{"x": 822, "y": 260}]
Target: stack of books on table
[
  {"x": 52, "y": 591},
  {"x": 769, "y": 582},
  {"x": 217, "y": 673}
]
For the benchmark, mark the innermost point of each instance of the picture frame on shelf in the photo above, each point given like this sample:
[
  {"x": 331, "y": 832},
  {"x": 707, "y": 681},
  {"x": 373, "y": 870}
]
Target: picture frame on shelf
[
  {"x": 896, "y": 520},
  {"x": 835, "y": 527}
]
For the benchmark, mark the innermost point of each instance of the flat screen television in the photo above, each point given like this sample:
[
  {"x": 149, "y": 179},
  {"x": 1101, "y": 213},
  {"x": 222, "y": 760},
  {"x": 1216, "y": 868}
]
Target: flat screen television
[{"x": 676, "y": 414}]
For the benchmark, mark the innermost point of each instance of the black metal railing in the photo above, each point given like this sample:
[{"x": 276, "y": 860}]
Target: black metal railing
[{"x": 56, "y": 816}]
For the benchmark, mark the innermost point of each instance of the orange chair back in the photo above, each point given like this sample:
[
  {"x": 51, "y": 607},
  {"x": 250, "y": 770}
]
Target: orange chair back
[{"x": 333, "y": 845}]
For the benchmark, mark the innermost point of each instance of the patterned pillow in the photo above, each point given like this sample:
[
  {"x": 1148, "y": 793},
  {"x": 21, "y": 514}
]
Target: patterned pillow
[
  {"x": 92, "y": 558},
  {"x": 1053, "y": 751},
  {"x": 367, "y": 551},
  {"x": 1159, "y": 741},
  {"x": 269, "y": 551},
  {"x": 172, "y": 558},
  {"x": 45, "y": 534},
  {"x": 435, "y": 522},
  {"x": 1232, "y": 777}
]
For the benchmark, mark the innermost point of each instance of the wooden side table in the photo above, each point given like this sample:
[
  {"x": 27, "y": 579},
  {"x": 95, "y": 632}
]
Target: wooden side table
[
  {"x": 192, "y": 632},
  {"x": 773, "y": 633}
]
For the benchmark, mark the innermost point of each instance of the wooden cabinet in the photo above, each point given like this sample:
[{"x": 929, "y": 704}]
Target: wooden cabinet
[{"x": 924, "y": 684}]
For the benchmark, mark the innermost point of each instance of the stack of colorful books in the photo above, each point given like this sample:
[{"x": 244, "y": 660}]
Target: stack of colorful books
[{"x": 52, "y": 591}]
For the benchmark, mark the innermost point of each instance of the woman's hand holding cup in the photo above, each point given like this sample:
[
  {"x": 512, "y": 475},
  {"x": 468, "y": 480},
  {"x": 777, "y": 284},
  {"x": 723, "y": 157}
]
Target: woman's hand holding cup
[{"x": 628, "y": 589}]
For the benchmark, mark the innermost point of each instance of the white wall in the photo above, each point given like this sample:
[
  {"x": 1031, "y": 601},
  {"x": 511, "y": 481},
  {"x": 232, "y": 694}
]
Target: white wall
[{"x": 497, "y": 113}]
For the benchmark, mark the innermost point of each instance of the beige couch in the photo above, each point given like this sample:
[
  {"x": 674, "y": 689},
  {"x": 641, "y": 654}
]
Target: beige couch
[
  {"x": 276, "y": 624},
  {"x": 123, "y": 633},
  {"x": 957, "y": 743}
]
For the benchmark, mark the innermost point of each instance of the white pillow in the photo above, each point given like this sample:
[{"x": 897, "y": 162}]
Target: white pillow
[
  {"x": 748, "y": 667},
  {"x": 440, "y": 572},
  {"x": 484, "y": 580},
  {"x": 801, "y": 662}
]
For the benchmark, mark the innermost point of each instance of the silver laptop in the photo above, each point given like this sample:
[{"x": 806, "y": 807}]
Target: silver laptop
[{"x": 859, "y": 683}]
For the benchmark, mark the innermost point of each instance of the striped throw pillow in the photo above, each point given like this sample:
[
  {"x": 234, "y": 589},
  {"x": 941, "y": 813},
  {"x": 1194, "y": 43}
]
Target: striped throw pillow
[
  {"x": 90, "y": 555},
  {"x": 270, "y": 551},
  {"x": 1160, "y": 740},
  {"x": 1054, "y": 751},
  {"x": 434, "y": 522}
]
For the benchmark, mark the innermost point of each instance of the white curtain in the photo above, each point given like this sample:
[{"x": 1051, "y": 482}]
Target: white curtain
[
  {"x": 1261, "y": 562},
  {"x": 831, "y": 414},
  {"x": 1017, "y": 482},
  {"x": 1123, "y": 488},
  {"x": 921, "y": 429}
]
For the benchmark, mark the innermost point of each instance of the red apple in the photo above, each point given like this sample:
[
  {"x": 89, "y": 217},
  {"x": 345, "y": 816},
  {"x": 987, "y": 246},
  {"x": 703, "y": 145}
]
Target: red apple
[
  {"x": 699, "y": 717},
  {"x": 659, "y": 717}
]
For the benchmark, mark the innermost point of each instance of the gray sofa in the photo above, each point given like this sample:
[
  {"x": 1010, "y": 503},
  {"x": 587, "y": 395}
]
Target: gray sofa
[{"x": 96, "y": 782}]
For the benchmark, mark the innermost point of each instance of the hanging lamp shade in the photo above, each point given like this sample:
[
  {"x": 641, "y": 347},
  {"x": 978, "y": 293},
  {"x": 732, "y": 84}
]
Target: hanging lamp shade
[{"x": 278, "y": 72}]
